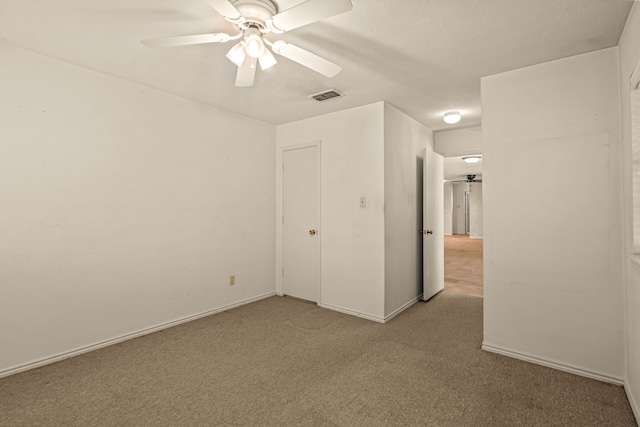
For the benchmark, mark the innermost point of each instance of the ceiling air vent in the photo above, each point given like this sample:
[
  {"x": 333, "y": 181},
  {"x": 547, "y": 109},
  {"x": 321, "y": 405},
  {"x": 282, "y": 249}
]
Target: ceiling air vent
[{"x": 326, "y": 95}]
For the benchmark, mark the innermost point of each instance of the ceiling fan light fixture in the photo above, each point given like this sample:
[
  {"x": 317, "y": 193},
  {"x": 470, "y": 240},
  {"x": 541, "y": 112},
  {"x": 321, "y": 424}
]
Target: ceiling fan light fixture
[
  {"x": 452, "y": 117},
  {"x": 255, "y": 18},
  {"x": 253, "y": 44},
  {"x": 471, "y": 159},
  {"x": 267, "y": 60},
  {"x": 236, "y": 54}
]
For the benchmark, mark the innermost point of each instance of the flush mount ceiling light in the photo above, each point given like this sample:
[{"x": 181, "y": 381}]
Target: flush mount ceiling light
[
  {"x": 452, "y": 117},
  {"x": 256, "y": 18},
  {"x": 472, "y": 159}
]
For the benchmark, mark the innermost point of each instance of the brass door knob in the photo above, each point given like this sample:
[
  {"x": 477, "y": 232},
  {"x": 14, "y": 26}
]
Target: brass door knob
[{"x": 312, "y": 232}]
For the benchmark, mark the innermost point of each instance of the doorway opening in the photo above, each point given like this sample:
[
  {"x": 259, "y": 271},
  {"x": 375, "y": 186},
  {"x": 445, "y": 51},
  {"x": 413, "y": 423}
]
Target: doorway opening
[{"x": 463, "y": 239}]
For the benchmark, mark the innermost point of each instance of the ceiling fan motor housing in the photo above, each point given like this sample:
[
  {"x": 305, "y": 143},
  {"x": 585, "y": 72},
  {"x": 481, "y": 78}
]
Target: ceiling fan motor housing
[{"x": 256, "y": 11}]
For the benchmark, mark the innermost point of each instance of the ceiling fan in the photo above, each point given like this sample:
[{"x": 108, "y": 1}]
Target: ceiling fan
[
  {"x": 256, "y": 18},
  {"x": 468, "y": 179}
]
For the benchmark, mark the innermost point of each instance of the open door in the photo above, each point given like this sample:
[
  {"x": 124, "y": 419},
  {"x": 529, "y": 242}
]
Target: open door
[{"x": 433, "y": 224}]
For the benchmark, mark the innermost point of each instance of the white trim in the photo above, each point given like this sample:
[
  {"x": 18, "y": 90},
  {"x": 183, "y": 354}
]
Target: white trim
[
  {"x": 66, "y": 355},
  {"x": 634, "y": 260},
  {"x": 319, "y": 216},
  {"x": 634, "y": 78},
  {"x": 632, "y": 401},
  {"x": 352, "y": 312},
  {"x": 403, "y": 308},
  {"x": 634, "y": 155},
  {"x": 366, "y": 316},
  {"x": 551, "y": 364},
  {"x": 308, "y": 144},
  {"x": 280, "y": 210}
]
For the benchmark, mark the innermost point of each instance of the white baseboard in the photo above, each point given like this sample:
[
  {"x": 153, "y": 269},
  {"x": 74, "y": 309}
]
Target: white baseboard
[
  {"x": 403, "y": 308},
  {"x": 369, "y": 316},
  {"x": 351, "y": 312},
  {"x": 633, "y": 402},
  {"x": 552, "y": 364},
  {"x": 76, "y": 352}
]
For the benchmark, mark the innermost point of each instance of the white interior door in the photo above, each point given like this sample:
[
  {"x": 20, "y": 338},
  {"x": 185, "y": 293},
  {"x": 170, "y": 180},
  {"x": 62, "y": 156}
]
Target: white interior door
[
  {"x": 300, "y": 240},
  {"x": 433, "y": 224}
]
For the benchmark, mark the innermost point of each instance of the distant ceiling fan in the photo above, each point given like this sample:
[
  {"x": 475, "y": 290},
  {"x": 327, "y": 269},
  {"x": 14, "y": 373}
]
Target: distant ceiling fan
[
  {"x": 468, "y": 179},
  {"x": 254, "y": 19}
]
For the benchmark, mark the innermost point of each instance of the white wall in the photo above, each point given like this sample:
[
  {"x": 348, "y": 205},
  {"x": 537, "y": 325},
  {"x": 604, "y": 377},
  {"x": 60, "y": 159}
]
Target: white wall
[
  {"x": 475, "y": 210},
  {"x": 459, "y": 142},
  {"x": 448, "y": 209},
  {"x": 352, "y": 238},
  {"x": 552, "y": 283},
  {"x": 404, "y": 142},
  {"x": 117, "y": 209},
  {"x": 629, "y": 50}
]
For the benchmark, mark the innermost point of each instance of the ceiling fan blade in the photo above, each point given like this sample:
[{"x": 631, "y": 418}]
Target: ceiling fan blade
[
  {"x": 246, "y": 72},
  {"x": 306, "y": 58},
  {"x": 306, "y": 13},
  {"x": 227, "y": 10},
  {"x": 186, "y": 40}
]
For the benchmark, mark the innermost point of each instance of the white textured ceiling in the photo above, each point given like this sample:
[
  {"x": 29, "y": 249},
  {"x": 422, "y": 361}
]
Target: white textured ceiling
[
  {"x": 456, "y": 169},
  {"x": 423, "y": 56}
]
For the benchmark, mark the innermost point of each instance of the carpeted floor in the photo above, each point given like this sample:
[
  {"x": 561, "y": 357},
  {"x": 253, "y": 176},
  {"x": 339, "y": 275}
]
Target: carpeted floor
[{"x": 283, "y": 362}]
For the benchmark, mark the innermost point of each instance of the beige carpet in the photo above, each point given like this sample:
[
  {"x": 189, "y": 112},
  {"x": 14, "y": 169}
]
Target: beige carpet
[{"x": 283, "y": 362}]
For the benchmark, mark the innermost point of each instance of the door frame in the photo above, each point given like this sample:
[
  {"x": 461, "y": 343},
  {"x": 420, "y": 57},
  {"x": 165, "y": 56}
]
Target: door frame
[
  {"x": 467, "y": 212},
  {"x": 280, "y": 208}
]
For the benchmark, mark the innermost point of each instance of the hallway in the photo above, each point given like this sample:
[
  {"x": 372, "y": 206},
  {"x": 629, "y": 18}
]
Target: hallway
[{"x": 463, "y": 264}]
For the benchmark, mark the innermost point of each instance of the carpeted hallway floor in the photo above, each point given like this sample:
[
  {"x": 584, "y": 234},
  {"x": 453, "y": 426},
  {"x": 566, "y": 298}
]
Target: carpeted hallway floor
[{"x": 284, "y": 362}]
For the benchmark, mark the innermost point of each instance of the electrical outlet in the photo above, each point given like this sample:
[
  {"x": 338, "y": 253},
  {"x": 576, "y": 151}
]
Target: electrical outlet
[{"x": 232, "y": 279}]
